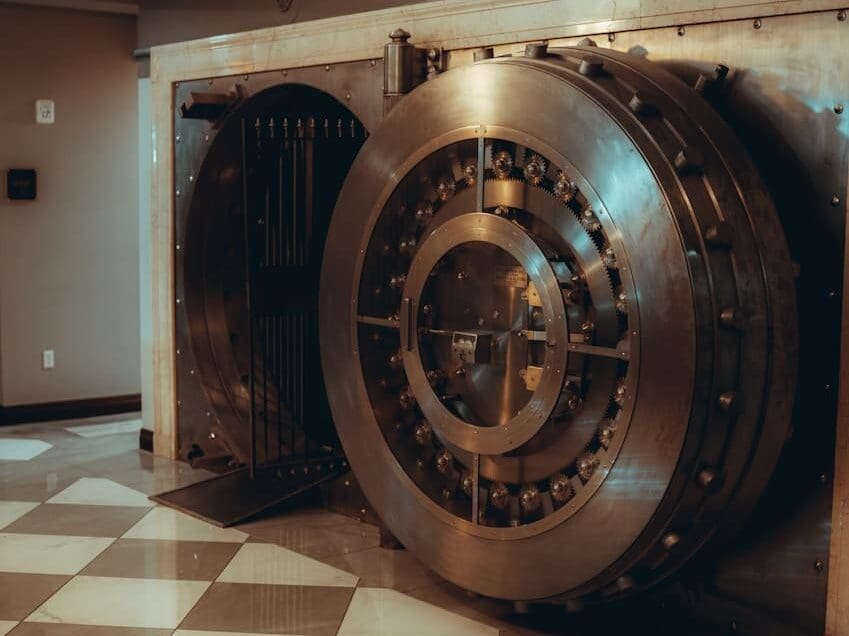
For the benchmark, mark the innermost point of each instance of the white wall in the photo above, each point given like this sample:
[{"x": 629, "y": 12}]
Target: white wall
[
  {"x": 69, "y": 261},
  {"x": 145, "y": 290}
]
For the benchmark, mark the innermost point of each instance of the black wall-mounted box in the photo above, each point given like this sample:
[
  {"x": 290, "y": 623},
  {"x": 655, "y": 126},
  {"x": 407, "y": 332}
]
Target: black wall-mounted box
[{"x": 20, "y": 184}]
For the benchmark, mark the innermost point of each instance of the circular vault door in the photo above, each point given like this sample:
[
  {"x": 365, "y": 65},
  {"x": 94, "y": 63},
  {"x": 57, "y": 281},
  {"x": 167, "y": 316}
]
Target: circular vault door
[{"x": 558, "y": 340}]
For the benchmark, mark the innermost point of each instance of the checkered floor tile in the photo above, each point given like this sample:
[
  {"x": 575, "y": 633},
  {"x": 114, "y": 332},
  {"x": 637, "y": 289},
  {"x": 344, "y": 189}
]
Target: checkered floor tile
[
  {"x": 22, "y": 450},
  {"x": 95, "y": 557}
]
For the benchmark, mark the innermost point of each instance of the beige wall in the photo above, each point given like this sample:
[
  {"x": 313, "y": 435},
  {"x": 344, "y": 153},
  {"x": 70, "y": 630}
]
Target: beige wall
[
  {"x": 164, "y": 21},
  {"x": 69, "y": 261}
]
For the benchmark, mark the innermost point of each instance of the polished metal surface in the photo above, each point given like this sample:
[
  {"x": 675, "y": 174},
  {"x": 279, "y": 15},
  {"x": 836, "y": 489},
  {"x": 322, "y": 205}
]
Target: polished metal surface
[
  {"x": 558, "y": 332},
  {"x": 399, "y": 64}
]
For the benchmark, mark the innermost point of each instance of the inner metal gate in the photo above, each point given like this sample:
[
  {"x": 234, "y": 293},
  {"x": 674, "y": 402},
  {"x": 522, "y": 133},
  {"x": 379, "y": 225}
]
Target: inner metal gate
[
  {"x": 293, "y": 167},
  {"x": 295, "y": 145}
]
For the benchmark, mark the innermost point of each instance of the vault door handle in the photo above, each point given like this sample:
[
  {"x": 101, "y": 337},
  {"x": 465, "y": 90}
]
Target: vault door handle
[{"x": 407, "y": 320}]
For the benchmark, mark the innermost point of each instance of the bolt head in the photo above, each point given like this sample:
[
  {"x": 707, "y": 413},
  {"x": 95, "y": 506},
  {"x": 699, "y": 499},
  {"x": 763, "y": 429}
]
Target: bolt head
[
  {"x": 624, "y": 583},
  {"x": 499, "y": 496},
  {"x": 536, "y": 50},
  {"x": 423, "y": 434},
  {"x": 708, "y": 478},
  {"x": 444, "y": 461},
  {"x": 591, "y": 66},
  {"x": 529, "y": 498},
  {"x": 560, "y": 488},
  {"x": 727, "y": 401},
  {"x": 670, "y": 540},
  {"x": 468, "y": 485},
  {"x": 586, "y": 465}
]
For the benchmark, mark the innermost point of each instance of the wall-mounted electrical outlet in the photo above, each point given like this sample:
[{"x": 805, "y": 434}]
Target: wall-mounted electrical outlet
[{"x": 48, "y": 359}]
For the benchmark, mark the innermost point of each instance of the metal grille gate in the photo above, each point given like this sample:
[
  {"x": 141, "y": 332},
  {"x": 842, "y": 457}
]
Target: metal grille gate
[
  {"x": 294, "y": 156},
  {"x": 293, "y": 166}
]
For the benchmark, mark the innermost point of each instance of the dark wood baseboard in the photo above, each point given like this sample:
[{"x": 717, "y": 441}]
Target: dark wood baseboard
[
  {"x": 146, "y": 440},
  {"x": 69, "y": 409}
]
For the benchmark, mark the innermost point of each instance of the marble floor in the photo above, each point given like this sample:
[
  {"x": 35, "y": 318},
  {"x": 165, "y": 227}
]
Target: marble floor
[{"x": 83, "y": 551}]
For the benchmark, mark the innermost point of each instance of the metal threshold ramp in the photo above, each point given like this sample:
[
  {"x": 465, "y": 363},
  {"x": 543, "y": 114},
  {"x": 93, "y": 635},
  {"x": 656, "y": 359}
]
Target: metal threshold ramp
[{"x": 228, "y": 499}]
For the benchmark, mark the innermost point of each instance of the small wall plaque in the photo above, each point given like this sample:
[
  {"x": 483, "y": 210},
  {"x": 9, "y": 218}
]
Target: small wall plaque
[
  {"x": 45, "y": 111},
  {"x": 20, "y": 184}
]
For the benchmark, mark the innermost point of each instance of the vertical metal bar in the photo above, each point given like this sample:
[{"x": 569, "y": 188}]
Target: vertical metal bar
[
  {"x": 481, "y": 170},
  {"x": 291, "y": 366},
  {"x": 300, "y": 207},
  {"x": 296, "y": 152},
  {"x": 300, "y": 375},
  {"x": 309, "y": 184},
  {"x": 407, "y": 318},
  {"x": 279, "y": 249},
  {"x": 308, "y": 212},
  {"x": 293, "y": 439},
  {"x": 248, "y": 267},
  {"x": 287, "y": 180},
  {"x": 265, "y": 386},
  {"x": 476, "y": 473},
  {"x": 268, "y": 185},
  {"x": 288, "y": 206}
]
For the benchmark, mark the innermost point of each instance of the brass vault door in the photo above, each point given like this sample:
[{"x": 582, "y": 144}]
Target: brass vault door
[{"x": 560, "y": 345}]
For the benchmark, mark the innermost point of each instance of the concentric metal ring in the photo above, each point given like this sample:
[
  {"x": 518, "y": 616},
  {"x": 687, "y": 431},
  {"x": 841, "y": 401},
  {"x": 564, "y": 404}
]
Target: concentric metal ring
[{"x": 487, "y": 228}]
